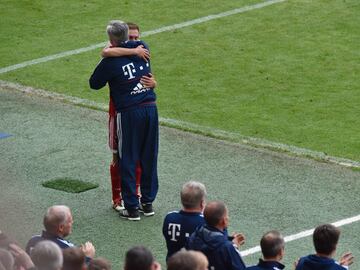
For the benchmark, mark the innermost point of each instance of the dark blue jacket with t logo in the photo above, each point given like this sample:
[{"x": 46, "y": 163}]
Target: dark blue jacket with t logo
[{"x": 123, "y": 75}]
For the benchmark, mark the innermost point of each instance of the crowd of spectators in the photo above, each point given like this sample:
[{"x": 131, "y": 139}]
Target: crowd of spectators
[{"x": 196, "y": 238}]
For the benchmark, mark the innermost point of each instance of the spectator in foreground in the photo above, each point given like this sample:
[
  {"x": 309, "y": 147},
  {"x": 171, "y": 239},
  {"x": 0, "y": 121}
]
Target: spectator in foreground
[
  {"x": 187, "y": 260},
  {"x": 99, "y": 264},
  {"x": 179, "y": 225},
  {"x": 7, "y": 261},
  {"x": 140, "y": 258},
  {"x": 212, "y": 239},
  {"x": 14, "y": 257},
  {"x": 74, "y": 259},
  {"x": 58, "y": 223},
  {"x": 273, "y": 249},
  {"x": 46, "y": 255},
  {"x": 325, "y": 239}
]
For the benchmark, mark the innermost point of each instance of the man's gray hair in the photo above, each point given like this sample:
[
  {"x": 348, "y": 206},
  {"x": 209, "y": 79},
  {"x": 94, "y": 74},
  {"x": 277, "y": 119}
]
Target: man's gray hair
[
  {"x": 118, "y": 31},
  {"x": 46, "y": 255},
  {"x": 55, "y": 216},
  {"x": 192, "y": 194},
  {"x": 271, "y": 244}
]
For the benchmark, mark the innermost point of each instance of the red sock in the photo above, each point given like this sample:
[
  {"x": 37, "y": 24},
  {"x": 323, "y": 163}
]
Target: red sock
[{"x": 115, "y": 183}]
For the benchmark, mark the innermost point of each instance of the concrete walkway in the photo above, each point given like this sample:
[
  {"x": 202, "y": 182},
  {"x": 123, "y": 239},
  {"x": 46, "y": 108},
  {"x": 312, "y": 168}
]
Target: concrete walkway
[{"x": 263, "y": 189}]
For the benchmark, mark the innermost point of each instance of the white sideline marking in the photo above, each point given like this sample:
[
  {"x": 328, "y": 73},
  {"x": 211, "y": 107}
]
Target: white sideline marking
[
  {"x": 302, "y": 234},
  {"x": 147, "y": 33}
]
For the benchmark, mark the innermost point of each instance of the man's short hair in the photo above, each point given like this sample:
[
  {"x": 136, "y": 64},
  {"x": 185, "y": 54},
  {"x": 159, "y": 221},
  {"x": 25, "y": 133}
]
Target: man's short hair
[
  {"x": 74, "y": 258},
  {"x": 325, "y": 238},
  {"x": 46, "y": 255},
  {"x": 187, "y": 260},
  {"x": 117, "y": 31},
  {"x": 55, "y": 216},
  {"x": 138, "y": 258},
  {"x": 192, "y": 194},
  {"x": 6, "y": 259},
  {"x": 271, "y": 244},
  {"x": 99, "y": 264},
  {"x": 214, "y": 212},
  {"x": 133, "y": 26}
]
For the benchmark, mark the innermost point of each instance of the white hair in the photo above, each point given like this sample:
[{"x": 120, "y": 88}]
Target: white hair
[
  {"x": 46, "y": 255},
  {"x": 118, "y": 31}
]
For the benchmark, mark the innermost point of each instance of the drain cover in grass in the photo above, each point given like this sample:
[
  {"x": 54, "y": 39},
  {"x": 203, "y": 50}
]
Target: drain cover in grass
[{"x": 69, "y": 185}]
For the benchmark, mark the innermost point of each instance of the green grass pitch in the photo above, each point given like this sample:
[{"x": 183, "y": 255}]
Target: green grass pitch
[{"x": 286, "y": 73}]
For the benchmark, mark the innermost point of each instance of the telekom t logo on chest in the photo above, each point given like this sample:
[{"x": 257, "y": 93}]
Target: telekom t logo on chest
[
  {"x": 174, "y": 231},
  {"x": 129, "y": 70}
]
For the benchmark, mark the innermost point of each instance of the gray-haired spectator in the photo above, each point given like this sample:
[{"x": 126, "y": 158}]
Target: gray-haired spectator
[
  {"x": 187, "y": 260},
  {"x": 46, "y": 255},
  {"x": 179, "y": 225},
  {"x": 58, "y": 223},
  {"x": 273, "y": 249}
]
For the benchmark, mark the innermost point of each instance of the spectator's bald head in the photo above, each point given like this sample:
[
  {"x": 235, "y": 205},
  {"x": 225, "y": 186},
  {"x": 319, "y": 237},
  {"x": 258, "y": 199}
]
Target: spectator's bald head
[
  {"x": 58, "y": 220},
  {"x": 272, "y": 245},
  {"x": 214, "y": 213}
]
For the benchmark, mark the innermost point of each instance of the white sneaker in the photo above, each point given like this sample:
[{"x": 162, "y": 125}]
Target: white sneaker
[{"x": 118, "y": 206}]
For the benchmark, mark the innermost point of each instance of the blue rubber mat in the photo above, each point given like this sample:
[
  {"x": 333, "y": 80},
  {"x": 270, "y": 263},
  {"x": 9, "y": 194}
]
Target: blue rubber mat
[{"x": 4, "y": 135}]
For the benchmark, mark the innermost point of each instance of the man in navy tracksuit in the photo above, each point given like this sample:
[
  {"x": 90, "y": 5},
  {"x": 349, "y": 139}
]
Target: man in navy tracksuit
[
  {"x": 273, "y": 249},
  {"x": 179, "y": 225},
  {"x": 212, "y": 239},
  {"x": 325, "y": 239},
  {"x": 137, "y": 120}
]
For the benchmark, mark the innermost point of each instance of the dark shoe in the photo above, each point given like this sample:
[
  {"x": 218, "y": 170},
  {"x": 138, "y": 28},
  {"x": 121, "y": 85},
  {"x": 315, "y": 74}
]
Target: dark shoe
[
  {"x": 147, "y": 209},
  {"x": 130, "y": 214}
]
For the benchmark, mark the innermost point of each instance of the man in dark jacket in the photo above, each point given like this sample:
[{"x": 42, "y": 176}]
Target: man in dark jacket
[
  {"x": 137, "y": 121},
  {"x": 325, "y": 239},
  {"x": 212, "y": 239},
  {"x": 273, "y": 249},
  {"x": 58, "y": 223}
]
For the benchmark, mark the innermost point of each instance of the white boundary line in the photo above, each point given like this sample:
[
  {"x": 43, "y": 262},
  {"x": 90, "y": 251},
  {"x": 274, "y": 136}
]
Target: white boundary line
[
  {"x": 148, "y": 33},
  {"x": 302, "y": 234},
  {"x": 206, "y": 131}
]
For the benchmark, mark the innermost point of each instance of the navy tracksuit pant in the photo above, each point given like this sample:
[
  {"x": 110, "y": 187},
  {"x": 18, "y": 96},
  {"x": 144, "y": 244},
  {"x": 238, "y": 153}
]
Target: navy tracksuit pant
[{"x": 138, "y": 135}]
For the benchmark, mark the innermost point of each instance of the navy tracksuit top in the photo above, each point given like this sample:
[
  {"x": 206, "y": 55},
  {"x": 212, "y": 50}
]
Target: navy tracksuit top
[
  {"x": 177, "y": 228},
  {"x": 123, "y": 75},
  {"x": 314, "y": 262}
]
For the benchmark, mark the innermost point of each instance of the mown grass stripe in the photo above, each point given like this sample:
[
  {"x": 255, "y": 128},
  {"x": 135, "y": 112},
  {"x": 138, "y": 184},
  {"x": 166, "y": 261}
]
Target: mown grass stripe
[{"x": 147, "y": 33}]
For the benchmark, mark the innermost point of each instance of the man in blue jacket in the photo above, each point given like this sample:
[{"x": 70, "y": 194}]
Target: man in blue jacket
[
  {"x": 325, "y": 239},
  {"x": 273, "y": 249},
  {"x": 137, "y": 120},
  {"x": 58, "y": 223},
  {"x": 212, "y": 239},
  {"x": 179, "y": 225}
]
